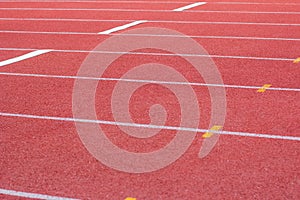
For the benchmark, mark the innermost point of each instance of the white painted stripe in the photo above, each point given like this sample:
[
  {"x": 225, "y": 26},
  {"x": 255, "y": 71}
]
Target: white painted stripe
[
  {"x": 257, "y": 3},
  {"x": 148, "y": 81},
  {"x": 144, "y": 10},
  {"x": 150, "y": 126},
  {"x": 246, "y": 12},
  {"x": 213, "y": 37},
  {"x": 154, "y": 54},
  {"x": 150, "y": 21},
  {"x": 32, "y": 195},
  {"x": 190, "y": 6},
  {"x": 150, "y": 35},
  {"x": 47, "y": 32},
  {"x": 23, "y": 57},
  {"x": 64, "y": 19},
  {"x": 146, "y": 2},
  {"x": 237, "y": 23},
  {"x": 103, "y": 1},
  {"x": 123, "y": 27}
]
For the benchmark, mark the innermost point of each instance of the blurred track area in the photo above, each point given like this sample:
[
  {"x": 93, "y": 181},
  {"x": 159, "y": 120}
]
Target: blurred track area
[{"x": 255, "y": 47}]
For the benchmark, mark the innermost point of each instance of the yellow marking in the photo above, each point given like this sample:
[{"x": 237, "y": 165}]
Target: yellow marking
[
  {"x": 264, "y": 88},
  {"x": 130, "y": 198},
  {"x": 209, "y": 134},
  {"x": 296, "y": 61}
]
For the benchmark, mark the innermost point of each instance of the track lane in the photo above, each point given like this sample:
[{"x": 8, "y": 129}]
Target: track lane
[
  {"x": 234, "y": 166},
  {"x": 251, "y": 73},
  {"x": 11, "y": 54},
  {"x": 60, "y": 26},
  {"x": 201, "y": 28},
  {"x": 250, "y": 7},
  {"x": 159, "y": 1},
  {"x": 107, "y": 5},
  {"x": 140, "y": 15},
  {"x": 222, "y": 47}
]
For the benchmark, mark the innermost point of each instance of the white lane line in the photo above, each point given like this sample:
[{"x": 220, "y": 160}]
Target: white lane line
[
  {"x": 150, "y": 35},
  {"x": 243, "y": 134},
  {"x": 48, "y": 32},
  {"x": 189, "y": 6},
  {"x": 23, "y": 57},
  {"x": 212, "y": 37},
  {"x": 154, "y": 54},
  {"x": 125, "y": 26},
  {"x": 256, "y": 3},
  {"x": 64, "y": 19},
  {"x": 246, "y": 12},
  {"x": 146, "y": 2},
  {"x": 101, "y": 1},
  {"x": 148, "y": 81},
  {"x": 32, "y": 195},
  {"x": 150, "y": 21},
  {"x": 144, "y": 10},
  {"x": 104, "y": 1}
]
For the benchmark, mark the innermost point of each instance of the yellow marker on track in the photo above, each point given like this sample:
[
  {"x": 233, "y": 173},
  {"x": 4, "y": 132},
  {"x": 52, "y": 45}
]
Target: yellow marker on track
[
  {"x": 209, "y": 134},
  {"x": 264, "y": 88},
  {"x": 296, "y": 61},
  {"x": 130, "y": 198}
]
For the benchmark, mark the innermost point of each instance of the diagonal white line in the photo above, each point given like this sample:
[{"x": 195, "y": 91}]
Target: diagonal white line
[
  {"x": 123, "y": 27},
  {"x": 150, "y": 126},
  {"x": 148, "y": 81},
  {"x": 23, "y": 57},
  {"x": 32, "y": 195},
  {"x": 190, "y": 6}
]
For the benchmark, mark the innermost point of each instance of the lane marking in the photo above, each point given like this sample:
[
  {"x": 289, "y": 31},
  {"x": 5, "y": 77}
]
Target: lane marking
[
  {"x": 48, "y": 32},
  {"x": 154, "y": 54},
  {"x": 105, "y": 1},
  {"x": 146, "y": 81},
  {"x": 209, "y": 133},
  {"x": 149, "y": 2},
  {"x": 245, "y": 12},
  {"x": 264, "y": 88},
  {"x": 125, "y": 26},
  {"x": 214, "y": 37},
  {"x": 130, "y": 198},
  {"x": 297, "y": 60},
  {"x": 189, "y": 6},
  {"x": 141, "y": 10},
  {"x": 150, "y": 35},
  {"x": 32, "y": 195},
  {"x": 64, "y": 19},
  {"x": 150, "y": 21},
  {"x": 23, "y": 57},
  {"x": 150, "y": 126},
  {"x": 256, "y": 3}
]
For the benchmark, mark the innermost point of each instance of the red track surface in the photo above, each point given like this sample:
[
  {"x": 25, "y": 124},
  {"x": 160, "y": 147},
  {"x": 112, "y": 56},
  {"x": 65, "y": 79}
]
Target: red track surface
[{"x": 47, "y": 157}]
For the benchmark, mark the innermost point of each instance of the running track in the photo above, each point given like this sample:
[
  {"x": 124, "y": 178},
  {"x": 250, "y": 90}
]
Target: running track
[{"x": 252, "y": 44}]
